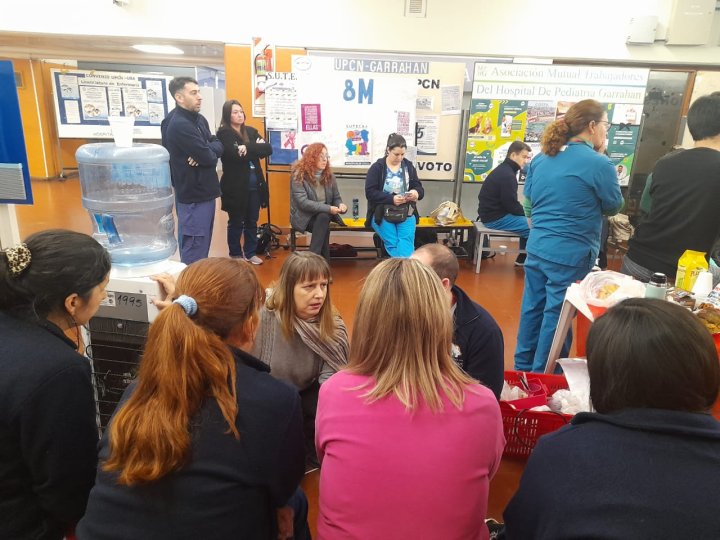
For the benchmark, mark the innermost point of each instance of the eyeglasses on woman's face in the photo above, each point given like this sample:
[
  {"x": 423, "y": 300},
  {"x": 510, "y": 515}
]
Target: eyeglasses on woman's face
[{"x": 605, "y": 123}]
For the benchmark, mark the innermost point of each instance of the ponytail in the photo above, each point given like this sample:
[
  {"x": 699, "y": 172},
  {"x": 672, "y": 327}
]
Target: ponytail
[{"x": 555, "y": 136}]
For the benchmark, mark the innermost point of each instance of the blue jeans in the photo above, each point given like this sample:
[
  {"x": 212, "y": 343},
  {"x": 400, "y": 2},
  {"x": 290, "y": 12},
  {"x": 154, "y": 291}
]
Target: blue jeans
[
  {"x": 195, "y": 227},
  {"x": 244, "y": 226},
  {"x": 299, "y": 503},
  {"x": 545, "y": 285},
  {"x": 399, "y": 238},
  {"x": 631, "y": 268},
  {"x": 512, "y": 223}
]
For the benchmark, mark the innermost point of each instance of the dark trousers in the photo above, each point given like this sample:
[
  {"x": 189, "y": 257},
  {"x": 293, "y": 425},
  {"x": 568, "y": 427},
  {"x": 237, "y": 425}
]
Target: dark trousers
[
  {"x": 309, "y": 400},
  {"x": 245, "y": 226},
  {"x": 299, "y": 503},
  {"x": 319, "y": 227}
]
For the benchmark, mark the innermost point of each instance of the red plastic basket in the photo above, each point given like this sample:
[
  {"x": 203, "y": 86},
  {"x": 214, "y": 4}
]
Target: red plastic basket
[{"x": 523, "y": 428}]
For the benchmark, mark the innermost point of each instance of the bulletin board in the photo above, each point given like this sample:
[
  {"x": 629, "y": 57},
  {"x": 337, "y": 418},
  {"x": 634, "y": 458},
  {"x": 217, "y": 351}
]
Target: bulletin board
[
  {"x": 351, "y": 103},
  {"x": 518, "y": 101},
  {"x": 84, "y": 100}
]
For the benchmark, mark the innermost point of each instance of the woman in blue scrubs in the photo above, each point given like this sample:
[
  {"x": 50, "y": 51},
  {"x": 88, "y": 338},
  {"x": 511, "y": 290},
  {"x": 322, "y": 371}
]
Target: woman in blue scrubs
[{"x": 569, "y": 187}]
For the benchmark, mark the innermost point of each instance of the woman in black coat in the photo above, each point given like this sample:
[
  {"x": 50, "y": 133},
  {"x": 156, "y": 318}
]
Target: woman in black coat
[{"x": 244, "y": 190}]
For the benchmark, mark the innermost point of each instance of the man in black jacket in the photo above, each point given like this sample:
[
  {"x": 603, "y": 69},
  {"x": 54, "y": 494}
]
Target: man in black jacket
[
  {"x": 684, "y": 193},
  {"x": 194, "y": 152},
  {"x": 499, "y": 206},
  {"x": 478, "y": 345}
]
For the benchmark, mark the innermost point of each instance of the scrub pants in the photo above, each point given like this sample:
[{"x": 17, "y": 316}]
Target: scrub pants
[
  {"x": 195, "y": 227},
  {"x": 399, "y": 238},
  {"x": 545, "y": 285}
]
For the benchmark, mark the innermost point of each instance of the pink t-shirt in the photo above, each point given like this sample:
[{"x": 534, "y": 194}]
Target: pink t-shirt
[{"x": 390, "y": 474}]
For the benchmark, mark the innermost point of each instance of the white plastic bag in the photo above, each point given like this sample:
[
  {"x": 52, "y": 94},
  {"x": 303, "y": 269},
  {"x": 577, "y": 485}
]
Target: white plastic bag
[{"x": 607, "y": 288}]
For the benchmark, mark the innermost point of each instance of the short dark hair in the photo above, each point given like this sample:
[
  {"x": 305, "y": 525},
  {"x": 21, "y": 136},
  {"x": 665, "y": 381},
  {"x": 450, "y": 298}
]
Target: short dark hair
[
  {"x": 443, "y": 261},
  {"x": 395, "y": 141},
  {"x": 703, "y": 118},
  {"x": 62, "y": 263},
  {"x": 651, "y": 354},
  {"x": 518, "y": 146},
  {"x": 178, "y": 83}
]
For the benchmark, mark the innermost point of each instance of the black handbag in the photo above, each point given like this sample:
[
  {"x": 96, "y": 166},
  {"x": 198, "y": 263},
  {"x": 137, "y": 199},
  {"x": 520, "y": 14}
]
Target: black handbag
[{"x": 395, "y": 214}]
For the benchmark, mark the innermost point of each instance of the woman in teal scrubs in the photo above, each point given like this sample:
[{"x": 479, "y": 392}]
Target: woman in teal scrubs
[{"x": 569, "y": 187}]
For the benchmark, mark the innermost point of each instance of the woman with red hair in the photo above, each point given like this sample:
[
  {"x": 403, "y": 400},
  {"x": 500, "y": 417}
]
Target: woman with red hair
[
  {"x": 314, "y": 197},
  {"x": 205, "y": 443}
]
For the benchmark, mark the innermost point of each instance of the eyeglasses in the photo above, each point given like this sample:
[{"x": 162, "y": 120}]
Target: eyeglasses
[
  {"x": 324, "y": 156},
  {"x": 607, "y": 124}
]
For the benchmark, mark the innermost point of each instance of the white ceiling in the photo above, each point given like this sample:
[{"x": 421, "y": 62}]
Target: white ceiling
[{"x": 108, "y": 49}]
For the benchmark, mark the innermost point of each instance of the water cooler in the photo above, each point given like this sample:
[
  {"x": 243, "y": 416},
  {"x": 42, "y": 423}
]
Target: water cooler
[{"x": 129, "y": 198}]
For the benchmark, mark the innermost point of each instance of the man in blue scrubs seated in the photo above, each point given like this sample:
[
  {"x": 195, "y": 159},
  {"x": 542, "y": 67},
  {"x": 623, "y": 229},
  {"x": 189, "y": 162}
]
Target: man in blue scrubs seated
[{"x": 499, "y": 206}]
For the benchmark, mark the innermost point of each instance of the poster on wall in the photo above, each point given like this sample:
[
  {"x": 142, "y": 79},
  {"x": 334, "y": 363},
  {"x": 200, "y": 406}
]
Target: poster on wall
[
  {"x": 85, "y": 99},
  {"x": 262, "y": 57},
  {"x": 417, "y": 99},
  {"x": 281, "y": 101},
  {"x": 518, "y": 101}
]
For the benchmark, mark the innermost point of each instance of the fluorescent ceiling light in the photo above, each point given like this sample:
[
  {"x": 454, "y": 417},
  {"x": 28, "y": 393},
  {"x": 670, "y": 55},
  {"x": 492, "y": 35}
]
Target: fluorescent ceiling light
[{"x": 158, "y": 49}]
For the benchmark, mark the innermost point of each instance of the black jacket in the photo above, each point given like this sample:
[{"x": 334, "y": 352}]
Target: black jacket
[
  {"x": 375, "y": 180},
  {"x": 48, "y": 434},
  {"x": 637, "y": 473},
  {"x": 498, "y": 194},
  {"x": 235, "y": 180},
  {"x": 684, "y": 213},
  {"x": 230, "y": 488},
  {"x": 187, "y": 134},
  {"x": 480, "y": 340}
]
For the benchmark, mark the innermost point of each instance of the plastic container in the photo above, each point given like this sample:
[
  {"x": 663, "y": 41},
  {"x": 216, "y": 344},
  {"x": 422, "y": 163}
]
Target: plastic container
[
  {"x": 657, "y": 286},
  {"x": 523, "y": 427},
  {"x": 129, "y": 197}
]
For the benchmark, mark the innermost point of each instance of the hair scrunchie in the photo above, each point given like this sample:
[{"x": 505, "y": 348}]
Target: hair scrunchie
[
  {"x": 19, "y": 258},
  {"x": 188, "y": 304}
]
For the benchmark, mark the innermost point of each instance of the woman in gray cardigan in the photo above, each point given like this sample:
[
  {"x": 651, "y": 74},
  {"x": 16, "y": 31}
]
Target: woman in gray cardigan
[
  {"x": 301, "y": 336},
  {"x": 314, "y": 198}
]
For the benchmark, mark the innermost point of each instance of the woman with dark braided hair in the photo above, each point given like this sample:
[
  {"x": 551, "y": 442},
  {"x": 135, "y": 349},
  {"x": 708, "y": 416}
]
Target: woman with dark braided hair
[
  {"x": 51, "y": 283},
  {"x": 569, "y": 187}
]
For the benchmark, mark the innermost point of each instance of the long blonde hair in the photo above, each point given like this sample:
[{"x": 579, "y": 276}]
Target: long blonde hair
[
  {"x": 297, "y": 268},
  {"x": 402, "y": 337},
  {"x": 186, "y": 362}
]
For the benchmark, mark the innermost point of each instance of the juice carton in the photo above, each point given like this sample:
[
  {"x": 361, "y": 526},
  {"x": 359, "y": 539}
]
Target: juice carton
[{"x": 690, "y": 264}]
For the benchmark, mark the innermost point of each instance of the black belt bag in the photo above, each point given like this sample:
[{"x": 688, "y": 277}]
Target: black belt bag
[{"x": 392, "y": 213}]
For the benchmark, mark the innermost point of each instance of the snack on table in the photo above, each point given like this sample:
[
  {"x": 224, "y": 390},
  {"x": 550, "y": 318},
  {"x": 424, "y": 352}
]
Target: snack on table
[
  {"x": 606, "y": 290},
  {"x": 710, "y": 317}
]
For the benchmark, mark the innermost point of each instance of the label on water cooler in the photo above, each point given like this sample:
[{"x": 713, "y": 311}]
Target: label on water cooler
[{"x": 121, "y": 305}]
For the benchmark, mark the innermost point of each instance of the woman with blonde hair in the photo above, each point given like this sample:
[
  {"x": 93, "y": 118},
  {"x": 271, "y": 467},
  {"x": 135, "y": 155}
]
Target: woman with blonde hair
[
  {"x": 301, "y": 336},
  {"x": 569, "y": 187},
  {"x": 407, "y": 441},
  {"x": 204, "y": 444},
  {"x": 314, "y": 197}
]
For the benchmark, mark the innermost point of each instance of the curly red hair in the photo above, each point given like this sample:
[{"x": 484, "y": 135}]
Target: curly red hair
[{"x": 306, "y": 167}]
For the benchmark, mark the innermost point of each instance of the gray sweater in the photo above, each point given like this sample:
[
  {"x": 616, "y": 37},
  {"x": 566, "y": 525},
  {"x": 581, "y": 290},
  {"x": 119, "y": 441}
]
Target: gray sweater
[
  {"x": 304, "y": 203},
  {"x": 291, "y": 361}
]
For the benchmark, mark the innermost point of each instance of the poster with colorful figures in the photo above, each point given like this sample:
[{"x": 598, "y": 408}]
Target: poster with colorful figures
[
  {"x": 357, "y": 145},
  {"x": 518, "y": 101}
]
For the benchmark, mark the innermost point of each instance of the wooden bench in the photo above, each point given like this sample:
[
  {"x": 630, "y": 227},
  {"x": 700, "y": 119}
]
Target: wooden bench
[{"x": 482, "y": 233}]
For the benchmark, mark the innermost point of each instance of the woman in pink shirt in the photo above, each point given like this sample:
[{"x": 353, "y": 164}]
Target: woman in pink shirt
[{"x": 407, "y": 441}]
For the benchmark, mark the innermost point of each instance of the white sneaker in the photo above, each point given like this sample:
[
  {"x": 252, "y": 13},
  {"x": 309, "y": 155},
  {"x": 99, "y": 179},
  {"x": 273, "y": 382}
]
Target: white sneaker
[{"x": 254, "y": 260}]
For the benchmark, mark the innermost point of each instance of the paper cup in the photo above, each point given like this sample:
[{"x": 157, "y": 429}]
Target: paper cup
[
  {"x": 122, "y": 130},
  {"x": 703, "y": 285}
]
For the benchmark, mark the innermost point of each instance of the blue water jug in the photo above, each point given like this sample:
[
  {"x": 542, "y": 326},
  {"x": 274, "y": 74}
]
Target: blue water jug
[{"x": 129, "y": 197}]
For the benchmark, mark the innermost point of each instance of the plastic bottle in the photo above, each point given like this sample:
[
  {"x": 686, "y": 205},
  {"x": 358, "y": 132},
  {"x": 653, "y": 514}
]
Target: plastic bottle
[
  {"x": 657, "y": 287},
  {"x": 129, "y": 197},
  {"x": 355, "y": 209}
]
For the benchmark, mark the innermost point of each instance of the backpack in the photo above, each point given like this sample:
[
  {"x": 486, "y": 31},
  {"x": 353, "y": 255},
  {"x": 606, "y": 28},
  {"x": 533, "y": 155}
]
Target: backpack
[{"x": 268, "y": 238}]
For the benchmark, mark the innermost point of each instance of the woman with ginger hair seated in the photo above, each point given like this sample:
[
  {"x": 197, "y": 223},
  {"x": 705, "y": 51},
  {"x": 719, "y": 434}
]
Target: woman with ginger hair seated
[{"x": 205, "y": 444}]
